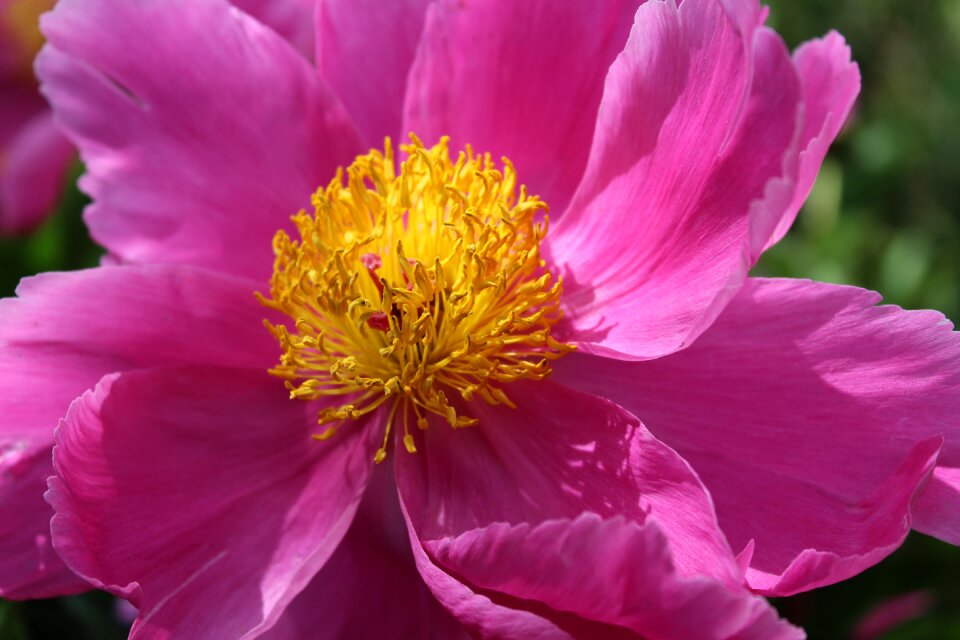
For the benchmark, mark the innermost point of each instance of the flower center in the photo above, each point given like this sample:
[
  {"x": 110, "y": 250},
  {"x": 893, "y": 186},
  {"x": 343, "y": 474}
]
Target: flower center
[
  {"x": 20, "y": 22},
  {"x": 407, "y": 288}
]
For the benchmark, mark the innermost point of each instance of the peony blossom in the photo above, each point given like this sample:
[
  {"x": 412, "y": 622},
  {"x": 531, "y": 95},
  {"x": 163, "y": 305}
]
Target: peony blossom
[
  {"x": 506, "y": 376},
  {"x": 34, "y": 155}
]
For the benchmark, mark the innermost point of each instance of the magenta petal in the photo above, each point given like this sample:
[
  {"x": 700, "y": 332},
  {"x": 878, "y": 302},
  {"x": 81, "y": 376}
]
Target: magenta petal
[
  {"x": 559, "y": 454},
  {"x": 863, "y": 532},
  {"x": 888, "y": 614},
  {"x": 521, "y": 79},
  {"x": 139, "y": 316},
  {"x": 19, "y": 104},
  {"x": 805, "y": 403},
  {"x": 37, "y": 384},
  {"x": 197, "y": 493},
  {"x": 596, "y": 577},
  {"x": 477, "y": 612},
  {"x": 33, "y": 174},
  {"x": 66, "y": 331},
  {"x": 689, "y": 159},
  {"x": 599, "y": 456},
  {"x": 29, "y": 183},
  {"x": 29, "y": 568},
  {"x": 935, "y": 513},
  {"x": 370, "y": 588},
  {"x": 364, "y": 50},
  {"x": 202, "y": 130},
  {"x": 292, "y": 19},
  {"x": 831, "y": 82}
]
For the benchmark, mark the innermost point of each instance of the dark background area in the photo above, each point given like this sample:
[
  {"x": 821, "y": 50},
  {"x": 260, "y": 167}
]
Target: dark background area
[{"x": 885, "y": 215}]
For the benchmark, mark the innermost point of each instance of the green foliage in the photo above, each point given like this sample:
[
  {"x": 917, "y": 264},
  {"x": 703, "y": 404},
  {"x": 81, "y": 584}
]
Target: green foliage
[
  {"x": 11, "y": 627},
  {"x": 61, "y": 244},
  {"x": 885, "y": 213}
]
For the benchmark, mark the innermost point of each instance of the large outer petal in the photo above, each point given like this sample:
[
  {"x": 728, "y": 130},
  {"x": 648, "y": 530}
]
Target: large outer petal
[
  {"x": 694, "y": 155},
  {"x": 137, "y": 315},
  {"x": 600, "y": 578},
  {"x": 831, "y": 82},
  {"x": 556, "y": 456},
  {"x": 202, "y": 130},
  {"x": 521, "y": 79},
  {"x": 483, "y": 614},
  {"x": 370, "y": 588},
  {"x": 58, "y": 338},
  {"x": 364, "y": 50},
  {"x": 814, "y": 417},
  {"x": 29, "y": 568},
  {"x": 197, "y": 493}
]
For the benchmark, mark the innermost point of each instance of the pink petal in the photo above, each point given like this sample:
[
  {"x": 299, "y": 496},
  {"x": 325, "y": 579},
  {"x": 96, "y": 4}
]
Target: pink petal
[
  {"x": 124, "y": 612},
  {"x": 202, "y": 130},
  {"x": 139, "y": 316},
  {"x": 597, "y": 577},
  {"x": 477, "y": 612},
  {"x": 66, "y": 331},
  {"x": 814, "y": 418},
  {"x": 37, "y": 385},
  {"x": 600, "y": 456},
  {"x": 370, "y": 587},
  {"x": 890, "y": 614},
  {"x": 521, "y": 79},
  {"x": 28, "y": 188},
  {"x": 197, "y": 494},
  {"x": 33, "y": 174},
  {"x": 935, "y": 512},
  {"x": 364, "y": 50},
  {"x": 292, "y": 19},
  {"x": 831, "y": 82},
  {"x": 695, "y": 131},
  {"x": 559, "y": 454},
  {"x": 29, "y": 568},
  {"x": 19, "y": 104}
]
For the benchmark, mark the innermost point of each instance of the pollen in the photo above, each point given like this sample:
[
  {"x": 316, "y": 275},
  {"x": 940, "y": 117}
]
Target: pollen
[{"x": 410, "y": 290}]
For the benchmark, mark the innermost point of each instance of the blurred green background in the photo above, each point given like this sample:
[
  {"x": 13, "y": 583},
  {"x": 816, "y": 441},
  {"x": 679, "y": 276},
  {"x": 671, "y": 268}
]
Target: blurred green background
[{"x": 885, "y": 214}]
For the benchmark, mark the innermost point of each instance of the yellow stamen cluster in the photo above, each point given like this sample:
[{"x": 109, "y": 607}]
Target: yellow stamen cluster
[{"x": 410, "y": 286}]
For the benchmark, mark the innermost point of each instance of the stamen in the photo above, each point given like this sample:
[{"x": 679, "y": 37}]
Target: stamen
[{"x": 407, "y": 287}]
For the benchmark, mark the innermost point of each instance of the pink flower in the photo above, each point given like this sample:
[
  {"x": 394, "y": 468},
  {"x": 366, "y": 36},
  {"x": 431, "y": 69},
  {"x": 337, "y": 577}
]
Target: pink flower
[
  {"x": 713, "y": 437},
  {"x": 34, "y": 156}
]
